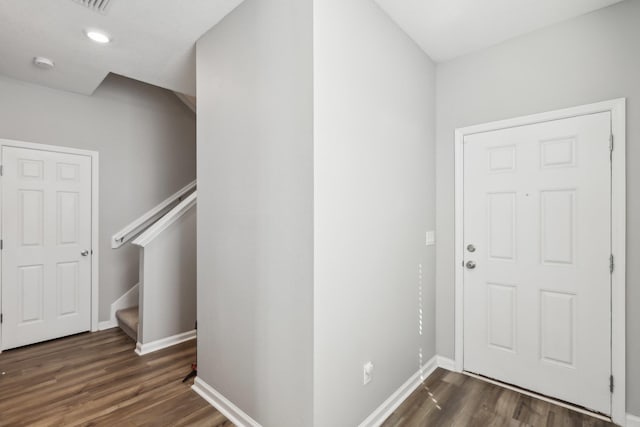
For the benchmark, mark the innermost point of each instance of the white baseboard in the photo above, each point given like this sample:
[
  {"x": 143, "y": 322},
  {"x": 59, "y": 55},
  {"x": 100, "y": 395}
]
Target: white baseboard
[
  {"x": 222, "y": 404},
  {"x": 107, "y": 324},
  {"x": 446, "y": 363},
  {"x": 142, "y": 349},
  {"x": 633, "y": 421},
  {"x": 392, "y": 403},
  {"x": 377, "y": 417}
]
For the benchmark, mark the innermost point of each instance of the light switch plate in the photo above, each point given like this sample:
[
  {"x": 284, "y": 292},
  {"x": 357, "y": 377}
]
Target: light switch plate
[
  {"x": 367, "y": 371},
  {"x": 430, "y": 238}
]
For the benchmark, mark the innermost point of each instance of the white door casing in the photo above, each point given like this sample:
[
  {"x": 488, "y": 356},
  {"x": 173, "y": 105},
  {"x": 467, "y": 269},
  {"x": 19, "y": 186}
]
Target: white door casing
[
  {"x": 47, "y": 236},
  {"x": 535, "y": 278}
]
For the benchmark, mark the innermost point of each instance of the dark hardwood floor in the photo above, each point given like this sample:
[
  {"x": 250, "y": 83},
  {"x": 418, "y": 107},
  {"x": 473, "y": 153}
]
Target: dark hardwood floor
[
  {"x": 452, "y": 399},
  {"x": 97, "y": 380}
]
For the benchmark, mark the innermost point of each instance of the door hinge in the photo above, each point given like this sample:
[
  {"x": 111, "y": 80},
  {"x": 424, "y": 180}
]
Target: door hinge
[
  {"x": 611, "y": 147},
  {"x": 611, "y": 383},
  {"x": 1, "y": 170},
  {"x": 1, "y": 244},
  {"x": 1, "y": 317},
  {"x": 611, "y": 263}
]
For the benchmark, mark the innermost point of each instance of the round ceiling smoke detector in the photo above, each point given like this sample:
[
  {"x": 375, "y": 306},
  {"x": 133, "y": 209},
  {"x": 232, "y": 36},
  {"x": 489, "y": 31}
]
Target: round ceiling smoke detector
[{"x": 42, "y": 62}]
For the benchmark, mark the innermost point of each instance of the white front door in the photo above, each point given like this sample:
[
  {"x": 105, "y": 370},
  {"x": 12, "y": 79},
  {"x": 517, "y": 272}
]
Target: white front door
[
  {"x": 537, "y": 227},
  {"x": 46, "y": 256}
]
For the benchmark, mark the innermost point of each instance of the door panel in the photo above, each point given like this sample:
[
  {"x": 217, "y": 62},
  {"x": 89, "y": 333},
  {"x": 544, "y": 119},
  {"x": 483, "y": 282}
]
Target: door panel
[
  {"x": 46, "y": 223},
  {"x": 558, "y": 226},
  {"x": 67, "y": 211},
  {"x": 537, "y": 304},
  {"x": 557, "y": 327},
  {"x": 68, "y": 288},
  {"x": 501, "y": 232},
  {"x": 501, "y": 326},
  {"x": 31, "y": 294}
]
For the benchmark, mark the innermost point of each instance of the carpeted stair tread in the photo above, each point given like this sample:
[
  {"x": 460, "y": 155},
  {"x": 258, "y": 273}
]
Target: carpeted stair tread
[{"x": 128, "y": 321}]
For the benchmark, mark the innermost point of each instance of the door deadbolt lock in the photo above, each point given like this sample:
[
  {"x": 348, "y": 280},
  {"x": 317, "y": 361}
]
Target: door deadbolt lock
[
  {"x": 471, "y": 248},
  {"x": 470, "y": 265}
]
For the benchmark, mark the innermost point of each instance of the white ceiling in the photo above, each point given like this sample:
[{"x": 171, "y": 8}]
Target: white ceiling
[
  {"x": 153, "y": 41},
  {"x": 446, "y": 29}
]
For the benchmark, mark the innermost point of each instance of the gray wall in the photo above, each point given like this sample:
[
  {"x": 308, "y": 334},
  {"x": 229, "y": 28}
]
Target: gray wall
[
  {"x": 255, "y": 210},
  {"x": 588, "y": 59},
  {"x": 146, "y": 140},
  {"x": 168, "y": 271},
  {"x": 374, "y": 200}
]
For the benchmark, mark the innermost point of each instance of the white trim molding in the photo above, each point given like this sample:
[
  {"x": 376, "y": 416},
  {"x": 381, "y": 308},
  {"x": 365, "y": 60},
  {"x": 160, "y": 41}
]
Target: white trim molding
[
  {"x": 163, "y": 223},
  {"x": 446, "y": 363},
  {"x": 618, "y": 248},
  {"x": 617, "y": 108},
  {"x": 384, "y": 411},
  {"x": 223, "y": 405},
  {"x": 95, "y": 239},
  {"x": 633, "y": 421},
  {"x": 150, "y": 347},
  {"x": 107, "y": 324},
  {"x": 377, "y": 417},
  {"x": 141, "y": 223}
]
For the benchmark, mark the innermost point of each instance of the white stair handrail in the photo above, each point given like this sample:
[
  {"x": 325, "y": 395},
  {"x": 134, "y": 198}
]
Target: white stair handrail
[
  {"x": 141, "y": 223},
  {"x": 174, "y": 214}
]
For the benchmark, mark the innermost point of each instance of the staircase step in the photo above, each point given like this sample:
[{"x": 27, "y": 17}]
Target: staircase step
[{"x": 128, "y": 321}]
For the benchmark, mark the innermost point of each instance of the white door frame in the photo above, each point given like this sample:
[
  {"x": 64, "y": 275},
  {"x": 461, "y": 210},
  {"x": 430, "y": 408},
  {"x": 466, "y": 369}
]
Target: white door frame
[
  {"x": 617, "y": 108},
  {"x": 95, "y": 246}
]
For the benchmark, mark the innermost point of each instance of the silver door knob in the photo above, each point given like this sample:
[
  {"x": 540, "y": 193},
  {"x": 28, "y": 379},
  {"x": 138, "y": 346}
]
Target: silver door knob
[
  {"x": 84, "y": 253},
  {"x": 470, "y": 265}
]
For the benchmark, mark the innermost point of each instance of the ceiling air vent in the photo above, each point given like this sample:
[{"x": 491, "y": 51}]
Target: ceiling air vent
[{"x": 96, "y": 5}]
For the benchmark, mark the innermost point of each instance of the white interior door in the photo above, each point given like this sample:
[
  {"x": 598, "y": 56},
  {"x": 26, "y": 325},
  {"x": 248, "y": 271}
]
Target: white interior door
[
  {"x": 46, "y": 258},
  {"x": 537, "y": 212}
]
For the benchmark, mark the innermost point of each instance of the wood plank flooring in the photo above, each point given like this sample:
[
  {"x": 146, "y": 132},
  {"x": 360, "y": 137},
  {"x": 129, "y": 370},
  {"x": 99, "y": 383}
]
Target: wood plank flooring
[
  {"x": 97, "y": 380},
  {"x": 451, "y": 399}
]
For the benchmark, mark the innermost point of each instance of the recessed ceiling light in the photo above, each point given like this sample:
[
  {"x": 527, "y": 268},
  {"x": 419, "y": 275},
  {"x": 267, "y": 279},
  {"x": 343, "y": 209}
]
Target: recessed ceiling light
[
  {"x": 98, "y": 36},
  {"x": 42, "y": 62}
]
